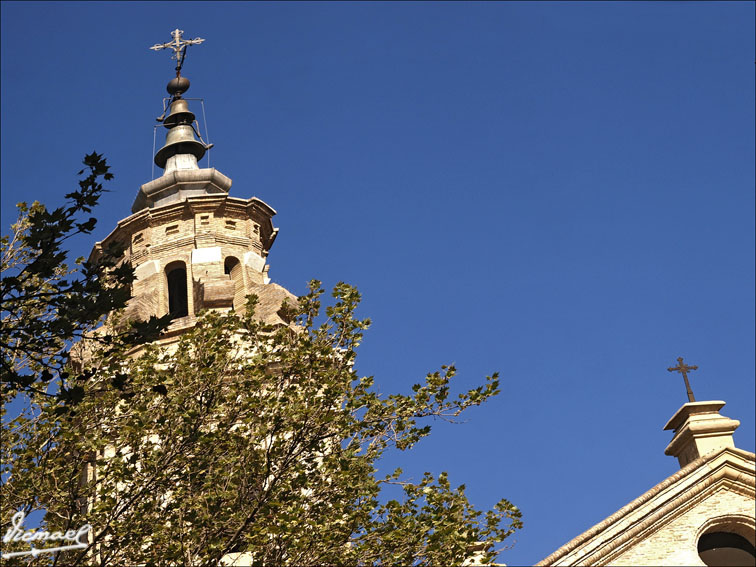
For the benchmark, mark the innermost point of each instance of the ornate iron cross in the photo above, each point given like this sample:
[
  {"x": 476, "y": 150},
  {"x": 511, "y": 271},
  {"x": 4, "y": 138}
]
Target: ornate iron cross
[
  {"x": 684, "y": 369},
  {"x": 179, "y": 46}
]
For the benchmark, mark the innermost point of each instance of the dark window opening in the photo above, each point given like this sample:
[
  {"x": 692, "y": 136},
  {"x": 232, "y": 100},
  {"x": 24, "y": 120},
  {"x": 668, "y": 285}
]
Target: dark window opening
[
  {"x": 178, "y": 305},
  {"x": 229, "y": 265},
  {"x": 726, "y": 549}
]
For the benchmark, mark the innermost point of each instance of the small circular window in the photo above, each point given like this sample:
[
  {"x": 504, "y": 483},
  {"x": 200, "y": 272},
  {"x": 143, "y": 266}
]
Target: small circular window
[{"x": 726, "y": 549}]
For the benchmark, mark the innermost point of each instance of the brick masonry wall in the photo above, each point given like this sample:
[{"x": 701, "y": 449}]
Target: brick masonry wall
[
  {"x": 676, "y": 542},
  {"x": 200, "y": 233}
]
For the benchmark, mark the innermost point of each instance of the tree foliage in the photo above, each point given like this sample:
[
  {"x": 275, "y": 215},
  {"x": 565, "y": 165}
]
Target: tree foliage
[
  {"x": 246, "y": 438},
  {"x": 44, "y": 304}
]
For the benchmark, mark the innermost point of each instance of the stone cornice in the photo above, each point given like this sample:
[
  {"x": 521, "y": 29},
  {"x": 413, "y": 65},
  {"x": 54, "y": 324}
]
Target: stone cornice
[
  {"x": 252, "y": 207},
  {"x": 684, "y": 413},
  {"x": 173, "y": 185}
]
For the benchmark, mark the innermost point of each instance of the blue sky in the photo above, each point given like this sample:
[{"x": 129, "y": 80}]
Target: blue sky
[{"x": 563, "y": 192}]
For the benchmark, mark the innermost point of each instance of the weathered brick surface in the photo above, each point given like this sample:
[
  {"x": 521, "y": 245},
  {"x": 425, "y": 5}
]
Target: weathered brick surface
[{"x": 675, "y": 543}]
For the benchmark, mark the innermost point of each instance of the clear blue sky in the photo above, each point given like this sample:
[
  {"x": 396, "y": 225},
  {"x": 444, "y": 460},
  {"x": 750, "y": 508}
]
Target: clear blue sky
[{"x": 563, "y": 192}]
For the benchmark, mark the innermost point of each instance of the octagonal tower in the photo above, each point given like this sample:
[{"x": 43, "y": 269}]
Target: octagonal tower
[{"x": 192, "y": 245}]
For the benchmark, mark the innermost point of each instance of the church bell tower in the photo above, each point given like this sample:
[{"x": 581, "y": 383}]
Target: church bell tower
[{"x": 192, "y": 245}]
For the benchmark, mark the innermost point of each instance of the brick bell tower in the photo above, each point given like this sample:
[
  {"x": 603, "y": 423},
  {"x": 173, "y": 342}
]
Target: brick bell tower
[{"x": 192, "y": 245}]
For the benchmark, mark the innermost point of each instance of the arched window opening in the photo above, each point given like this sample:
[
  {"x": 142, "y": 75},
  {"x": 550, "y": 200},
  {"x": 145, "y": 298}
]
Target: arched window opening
[
  {"x": 178, "y": 304},
  {"x": 233, "y": 268},
  {"x": 723, "y": 549},
  {"x": 229, "y": 264}
]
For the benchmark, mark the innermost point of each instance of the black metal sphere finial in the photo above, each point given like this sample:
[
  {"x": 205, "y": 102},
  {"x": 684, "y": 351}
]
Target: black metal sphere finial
[{"x": 176, "y": 87}]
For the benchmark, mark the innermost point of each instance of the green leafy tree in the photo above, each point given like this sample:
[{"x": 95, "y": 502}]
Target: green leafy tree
[
  {"x": 246, "y": 441},
  {"x": 44, "y": 304}
]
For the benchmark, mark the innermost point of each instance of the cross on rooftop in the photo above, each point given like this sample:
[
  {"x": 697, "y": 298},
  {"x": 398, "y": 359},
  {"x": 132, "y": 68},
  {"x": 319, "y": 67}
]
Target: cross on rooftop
[
  {"x": 178, "y": 45},
  {"x": 683, "y": 369}
]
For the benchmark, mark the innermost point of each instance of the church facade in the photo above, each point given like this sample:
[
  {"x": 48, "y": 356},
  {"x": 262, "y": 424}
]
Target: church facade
[{"x": 704, "y": 514}]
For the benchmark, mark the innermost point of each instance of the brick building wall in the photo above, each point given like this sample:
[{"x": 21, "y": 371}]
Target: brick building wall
[{"x": 676, "y": 542}]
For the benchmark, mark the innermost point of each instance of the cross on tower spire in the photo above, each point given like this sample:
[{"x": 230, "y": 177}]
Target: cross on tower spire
[
  {"x": 178, "y": 45},
  {"x": 684, "y": 369}
]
